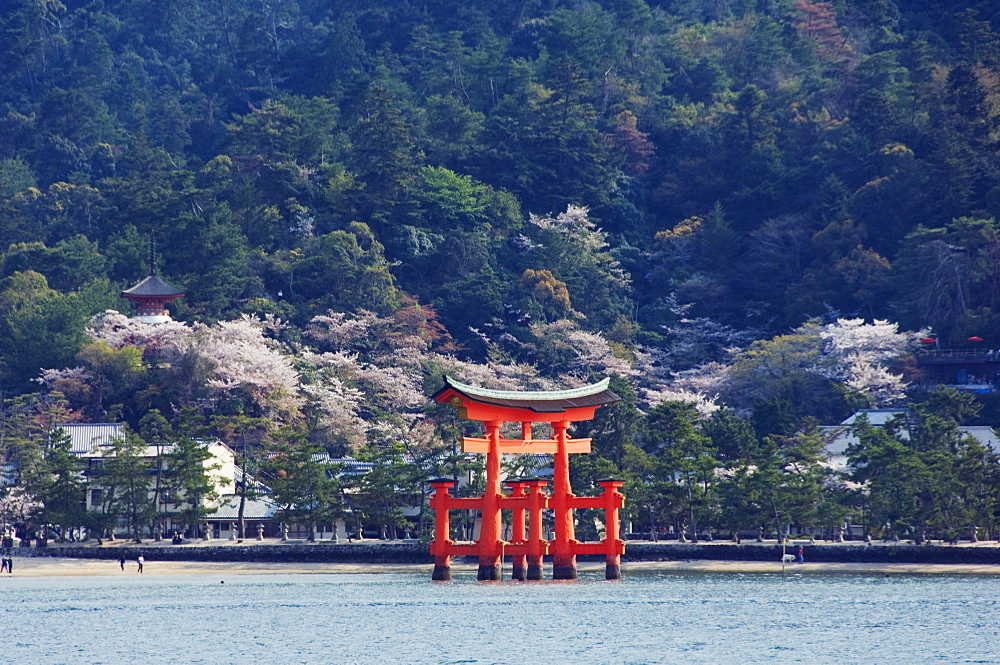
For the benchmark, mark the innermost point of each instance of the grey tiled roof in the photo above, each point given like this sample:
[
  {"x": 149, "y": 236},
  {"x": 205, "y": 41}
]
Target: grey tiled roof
[
  {"x": 153, "y": 286},
  {"x": 253, "y": 509},
  {"x": 875, "y": 416},
  {"x": 984, "y": 435},
  {"x": 86, "y": 438},
  {"x": 840, "y": 436}
]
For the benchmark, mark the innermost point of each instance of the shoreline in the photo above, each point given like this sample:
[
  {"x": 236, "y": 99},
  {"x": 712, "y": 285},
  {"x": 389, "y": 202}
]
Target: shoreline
[{"x": 70, "y": 567}]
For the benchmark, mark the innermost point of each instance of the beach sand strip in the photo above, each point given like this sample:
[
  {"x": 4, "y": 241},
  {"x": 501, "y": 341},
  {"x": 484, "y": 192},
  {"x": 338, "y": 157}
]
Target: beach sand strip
[{"x": 66, "y": 567}]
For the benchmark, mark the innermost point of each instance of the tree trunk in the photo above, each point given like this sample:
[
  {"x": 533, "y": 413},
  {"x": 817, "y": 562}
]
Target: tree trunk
[{"x": 243, "y": 500}]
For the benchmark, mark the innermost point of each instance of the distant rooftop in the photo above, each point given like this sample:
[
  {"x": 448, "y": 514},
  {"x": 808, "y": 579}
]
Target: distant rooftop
[
  {"x": 253, "y": 509},
  {"x": 87, "y": 438},
  {"x": 839, "y": 437},
  {"x": 875, "y": 416}
]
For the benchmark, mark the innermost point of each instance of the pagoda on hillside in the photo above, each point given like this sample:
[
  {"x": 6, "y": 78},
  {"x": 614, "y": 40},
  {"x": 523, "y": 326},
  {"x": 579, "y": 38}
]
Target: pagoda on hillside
[{"x": 152, "y": 294}]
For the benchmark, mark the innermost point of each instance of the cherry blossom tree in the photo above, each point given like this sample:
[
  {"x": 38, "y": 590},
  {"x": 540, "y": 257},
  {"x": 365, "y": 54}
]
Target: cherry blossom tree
[
  {"x": 857, "y": 354},
  {"x": 331, "y": 402},
  {"x": 809, "y": 364},
  {"x": 574, "y": 251},
  {"x": 338, "y": 331},
  {"x": 168, "y": 340},
  {"x": 579, "y": 355},
  {"x": 16, "y": 509},
  {"x": 244, "y": 361},
  {"x": 237, "y": 358},
  {"x": 704, "y": 404}
]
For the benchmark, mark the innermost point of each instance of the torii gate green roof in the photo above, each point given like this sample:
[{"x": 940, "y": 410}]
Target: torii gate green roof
[{"x": 543, "y": 401}]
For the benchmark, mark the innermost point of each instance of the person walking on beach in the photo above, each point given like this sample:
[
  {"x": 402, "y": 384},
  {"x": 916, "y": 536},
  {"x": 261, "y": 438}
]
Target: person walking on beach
[
  {"x": 121, "y": 562},
  {"x": 3, "y": 564},
  {"x": 801, "y": 559},
  {"x": 140, "y": 561}
]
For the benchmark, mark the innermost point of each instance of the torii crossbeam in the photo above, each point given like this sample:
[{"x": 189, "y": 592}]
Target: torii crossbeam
[{"x": 494, "y": 408}]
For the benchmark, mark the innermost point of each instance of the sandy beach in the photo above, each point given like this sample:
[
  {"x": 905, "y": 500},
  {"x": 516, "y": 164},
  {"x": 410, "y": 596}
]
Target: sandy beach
[{"x": 66, "y": 567}]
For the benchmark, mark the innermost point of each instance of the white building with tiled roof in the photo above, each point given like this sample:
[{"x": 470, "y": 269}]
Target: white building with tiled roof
[
  {"x": 840, "y": 437},
  {"x": 91, "y": 441}
]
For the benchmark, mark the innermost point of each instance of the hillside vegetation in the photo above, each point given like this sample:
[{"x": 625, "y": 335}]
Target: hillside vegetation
[{"x": 745, "y": 211}]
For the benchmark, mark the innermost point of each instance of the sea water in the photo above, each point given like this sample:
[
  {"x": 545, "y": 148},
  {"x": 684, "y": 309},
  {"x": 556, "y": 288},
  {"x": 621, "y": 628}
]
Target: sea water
[{"x": 405, "y": 618}]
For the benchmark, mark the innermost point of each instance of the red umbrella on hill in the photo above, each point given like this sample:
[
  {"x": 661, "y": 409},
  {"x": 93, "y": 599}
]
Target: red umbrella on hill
[{"x": 975, "y": 339}]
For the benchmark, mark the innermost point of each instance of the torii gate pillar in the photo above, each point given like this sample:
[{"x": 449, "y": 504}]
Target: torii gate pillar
[
  {"x": 490, "y": 545},
  {"x": 563, "y": 558}
]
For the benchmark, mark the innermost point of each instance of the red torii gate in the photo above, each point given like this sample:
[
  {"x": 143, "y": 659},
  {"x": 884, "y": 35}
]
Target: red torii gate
[{"x": 494, "y": 408}]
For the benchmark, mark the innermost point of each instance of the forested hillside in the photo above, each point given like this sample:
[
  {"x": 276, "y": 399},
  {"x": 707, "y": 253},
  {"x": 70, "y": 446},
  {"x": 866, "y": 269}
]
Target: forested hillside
[{"x": 735, "y": 202}]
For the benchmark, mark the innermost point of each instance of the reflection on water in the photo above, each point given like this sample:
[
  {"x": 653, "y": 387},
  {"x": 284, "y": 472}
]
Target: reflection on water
[{"x": 396, "y": 618}]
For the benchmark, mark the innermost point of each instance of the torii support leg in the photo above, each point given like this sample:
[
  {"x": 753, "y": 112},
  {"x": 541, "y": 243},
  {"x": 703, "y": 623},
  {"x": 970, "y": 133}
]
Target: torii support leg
[
  {"x": 563, "y": 558},
  {"x": 442, "y": 526},
  {"x": 613, "y": 501},
  {"x": 519, "y": 568},
  {"x": 536, "y": 546},
  {"x": 489, "y": 532}
]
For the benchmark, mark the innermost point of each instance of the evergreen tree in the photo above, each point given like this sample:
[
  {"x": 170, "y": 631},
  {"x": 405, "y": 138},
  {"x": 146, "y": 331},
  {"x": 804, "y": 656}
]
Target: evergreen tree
[
  {"x": 303, "y": 484},
  {"x": 57, "y": 484},
  {"x": 189, "y": 481},
  {"x": 126, "y": 484}
]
